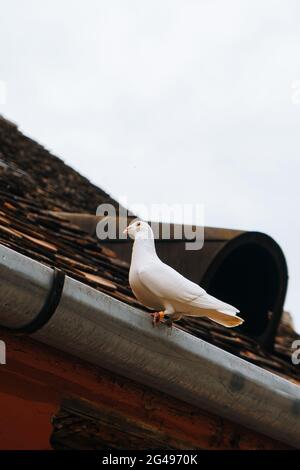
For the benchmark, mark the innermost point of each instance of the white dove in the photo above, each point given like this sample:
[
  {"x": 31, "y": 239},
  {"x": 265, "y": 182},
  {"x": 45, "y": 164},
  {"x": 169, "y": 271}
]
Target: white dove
[{"x": 158, "y": 286}]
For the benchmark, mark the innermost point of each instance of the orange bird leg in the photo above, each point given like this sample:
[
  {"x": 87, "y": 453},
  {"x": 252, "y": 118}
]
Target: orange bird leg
[{"x": 157, "y": 317}]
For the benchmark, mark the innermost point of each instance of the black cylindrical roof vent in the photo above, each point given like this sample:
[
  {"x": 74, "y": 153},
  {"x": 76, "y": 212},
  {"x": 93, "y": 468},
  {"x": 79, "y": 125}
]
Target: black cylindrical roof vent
[{"x": 249, "y": 271}]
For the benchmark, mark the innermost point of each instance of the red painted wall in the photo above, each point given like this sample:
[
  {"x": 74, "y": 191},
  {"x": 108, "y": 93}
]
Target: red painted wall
[{"x": 36, "y": 378}]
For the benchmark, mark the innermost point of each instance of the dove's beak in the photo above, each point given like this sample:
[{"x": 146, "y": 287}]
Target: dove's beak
[{"x": 125, "y": 231}]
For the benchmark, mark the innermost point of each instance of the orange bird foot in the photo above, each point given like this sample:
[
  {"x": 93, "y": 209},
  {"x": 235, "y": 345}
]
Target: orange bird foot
[{"x": 157, "y": 317}]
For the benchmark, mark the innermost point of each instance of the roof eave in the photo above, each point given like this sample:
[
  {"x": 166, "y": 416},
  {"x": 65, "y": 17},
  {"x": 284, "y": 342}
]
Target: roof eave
[{"x": 104, "y": 331}]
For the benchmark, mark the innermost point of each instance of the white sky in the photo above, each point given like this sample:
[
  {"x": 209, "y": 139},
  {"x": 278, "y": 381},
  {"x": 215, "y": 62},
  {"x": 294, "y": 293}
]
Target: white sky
[{"x": 167, "y": 101}]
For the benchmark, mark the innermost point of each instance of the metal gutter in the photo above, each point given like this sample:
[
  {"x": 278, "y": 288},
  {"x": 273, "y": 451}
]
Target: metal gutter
[{"x": 100, "y": 329}]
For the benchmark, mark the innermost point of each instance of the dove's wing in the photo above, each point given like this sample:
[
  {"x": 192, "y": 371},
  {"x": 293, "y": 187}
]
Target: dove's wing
[
  {"x": 166, "y": 283},
  {"x": 208, "y": 302}
]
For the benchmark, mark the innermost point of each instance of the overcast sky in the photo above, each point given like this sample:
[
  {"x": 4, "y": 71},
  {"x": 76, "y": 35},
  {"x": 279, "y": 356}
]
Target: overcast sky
[{"x": 192, "y": 101}]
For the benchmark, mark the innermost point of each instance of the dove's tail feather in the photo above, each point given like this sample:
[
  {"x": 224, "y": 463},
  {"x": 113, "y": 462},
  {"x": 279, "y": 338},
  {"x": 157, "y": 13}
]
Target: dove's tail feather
[{"x": 225, "y": 319}]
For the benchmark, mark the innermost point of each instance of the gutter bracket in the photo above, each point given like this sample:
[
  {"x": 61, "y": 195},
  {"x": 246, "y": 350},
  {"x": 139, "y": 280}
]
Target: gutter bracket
[{"x": 47, "y": 311}]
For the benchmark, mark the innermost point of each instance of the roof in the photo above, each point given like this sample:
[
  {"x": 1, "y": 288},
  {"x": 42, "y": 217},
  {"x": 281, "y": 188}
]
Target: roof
[{"x": 34, "y": 182}]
